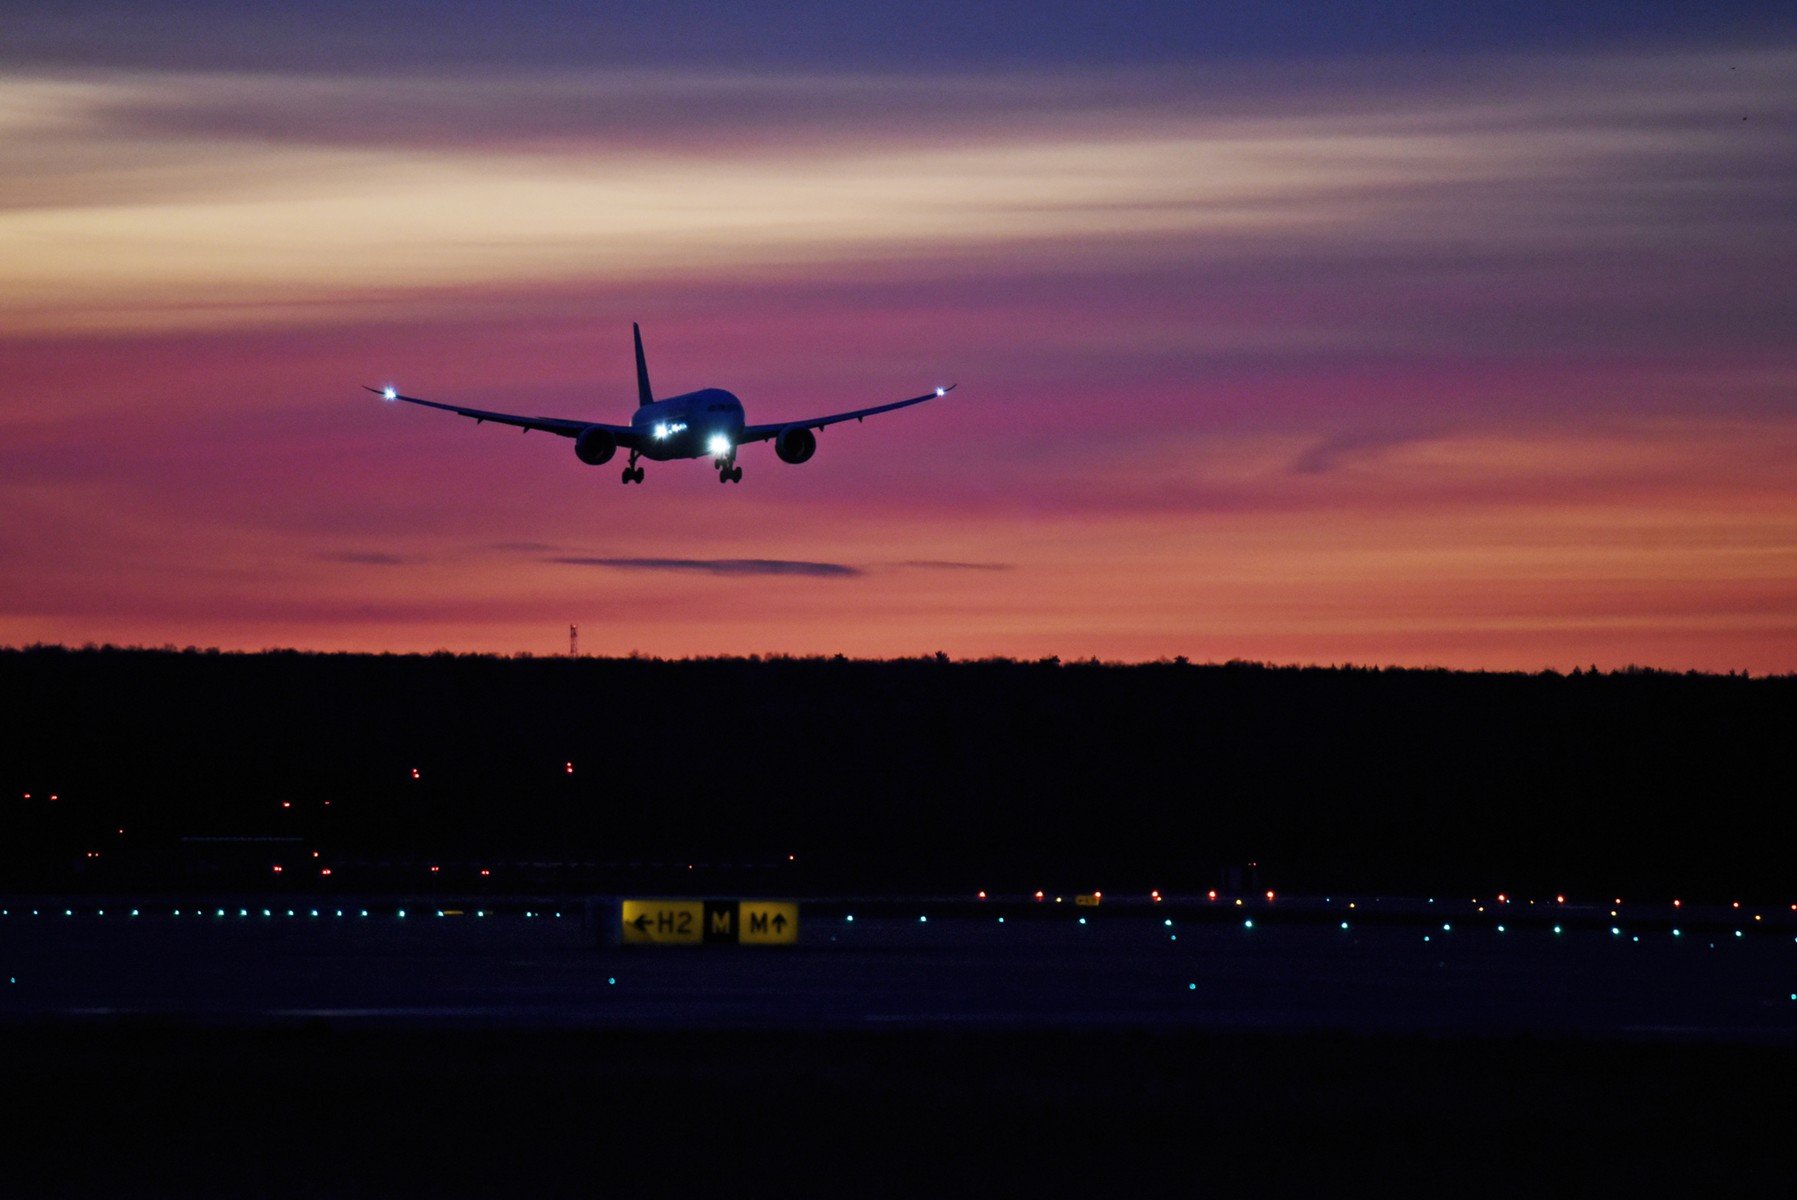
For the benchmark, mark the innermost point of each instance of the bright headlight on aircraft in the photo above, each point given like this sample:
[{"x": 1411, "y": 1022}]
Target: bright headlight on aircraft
[
  {"x": 661, "y": 431},
  {"x": 942, "y": 391},
  {"x": 718, "y": 445},
  {"x": 390, "y": 393}
]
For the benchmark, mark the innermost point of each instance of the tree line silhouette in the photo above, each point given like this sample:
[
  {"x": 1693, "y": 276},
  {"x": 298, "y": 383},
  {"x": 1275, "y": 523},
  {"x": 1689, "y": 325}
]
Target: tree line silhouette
[{"x": 921, "y": 773}]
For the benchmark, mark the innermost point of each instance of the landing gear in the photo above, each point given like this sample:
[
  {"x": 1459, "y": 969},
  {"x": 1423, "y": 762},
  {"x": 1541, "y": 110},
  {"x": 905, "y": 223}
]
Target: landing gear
[
  {"x": 728, "y": 472},
  {"x": 633, "y": 473}
]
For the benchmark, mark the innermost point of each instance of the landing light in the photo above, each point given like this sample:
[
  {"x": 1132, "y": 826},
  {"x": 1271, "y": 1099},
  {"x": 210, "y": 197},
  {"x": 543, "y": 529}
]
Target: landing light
[
  {"x": 389, "y": 393},
  {"x": 718, "y": 445},
  {"x": 942, "y": 391},
  {"x": 661, "y": 431}
]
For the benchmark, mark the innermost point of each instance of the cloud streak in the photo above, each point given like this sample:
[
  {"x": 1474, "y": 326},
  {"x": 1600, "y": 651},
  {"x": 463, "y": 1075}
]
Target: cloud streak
[{"x": 720, "y": 566}]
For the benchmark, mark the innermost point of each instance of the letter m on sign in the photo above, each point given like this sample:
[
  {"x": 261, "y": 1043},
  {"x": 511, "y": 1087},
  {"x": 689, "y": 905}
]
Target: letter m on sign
[
  {"x": 720, "y": 921},
  {"x": 758, "y": 922}
]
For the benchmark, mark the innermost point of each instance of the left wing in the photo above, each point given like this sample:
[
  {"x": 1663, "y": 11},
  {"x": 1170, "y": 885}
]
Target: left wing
[
  {"x": 760, "y": 433},
  {"x": 560, "y": 426}
]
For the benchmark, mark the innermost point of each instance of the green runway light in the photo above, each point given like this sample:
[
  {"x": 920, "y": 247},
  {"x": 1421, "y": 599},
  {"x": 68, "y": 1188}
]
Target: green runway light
[
  {"x": 922, "y": 920},
  {"x": 1447, "y": 928},
  {"x": 1615, "y": 931},
  {"x": 1500, "y": 929},
  {"x": 1082, "y": 920},
  {"x": 402, "y": 912},
  {"x": 851, "y": 918},
  {"x": 612, "y": 980},
  {"x": 1168, "y": 923},
  {"x": 1191, "y": 987},
  {"x": 1248, "y": 924},
  {"x": 134, "y": 912},
  {"x": 1556, "y": 929},
  {"x": 363, "y": 913},
  {"x": 1344, "y": 924},
  {"x": 1676, "y": 933}
]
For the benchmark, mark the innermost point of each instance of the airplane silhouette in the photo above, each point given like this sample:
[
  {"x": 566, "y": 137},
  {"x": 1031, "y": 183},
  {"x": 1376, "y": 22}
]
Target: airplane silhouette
[{"x": 705, "y": 423}]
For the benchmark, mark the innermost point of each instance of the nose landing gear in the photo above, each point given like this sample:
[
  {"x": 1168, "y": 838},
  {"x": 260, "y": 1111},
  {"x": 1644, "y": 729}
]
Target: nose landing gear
[
  {"x": 728, "y": 471},
  {"x": 633, "y": 473}
]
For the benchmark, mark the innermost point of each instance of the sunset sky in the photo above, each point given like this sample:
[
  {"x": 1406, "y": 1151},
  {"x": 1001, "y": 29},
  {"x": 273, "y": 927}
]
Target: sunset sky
[{"x": 1296, "y": 332}]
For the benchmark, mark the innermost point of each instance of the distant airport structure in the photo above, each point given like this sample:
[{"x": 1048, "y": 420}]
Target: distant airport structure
[{"x": 708, "y": 423}]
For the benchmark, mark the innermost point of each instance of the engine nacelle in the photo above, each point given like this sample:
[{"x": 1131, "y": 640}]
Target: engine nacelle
[
  {"x": 795, "y": 444},
  {"x": 594, "y": 445}
]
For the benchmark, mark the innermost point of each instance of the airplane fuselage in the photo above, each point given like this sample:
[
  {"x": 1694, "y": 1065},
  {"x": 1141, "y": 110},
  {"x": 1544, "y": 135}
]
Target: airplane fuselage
[{"x": 704, "y": 424}]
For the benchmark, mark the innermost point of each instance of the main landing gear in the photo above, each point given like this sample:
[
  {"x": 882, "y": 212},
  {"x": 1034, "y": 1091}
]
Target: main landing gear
[
  {"x": 633, "y": 473},
  {"x": 728, "y": 471}
]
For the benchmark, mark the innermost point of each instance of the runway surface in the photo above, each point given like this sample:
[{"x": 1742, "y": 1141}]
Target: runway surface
[
  {"x": 904, "y": 1047},
  {"x": 1301, "y": 965}
]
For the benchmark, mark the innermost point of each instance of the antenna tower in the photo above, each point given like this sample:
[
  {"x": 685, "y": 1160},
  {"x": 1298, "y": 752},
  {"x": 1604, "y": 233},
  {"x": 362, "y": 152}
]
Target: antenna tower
[{"x": 573, "y": 641}]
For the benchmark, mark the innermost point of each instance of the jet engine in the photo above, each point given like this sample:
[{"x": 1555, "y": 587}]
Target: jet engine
[
  {"x": 795, "y": 444},
  {"x": 594, "y": 445}
]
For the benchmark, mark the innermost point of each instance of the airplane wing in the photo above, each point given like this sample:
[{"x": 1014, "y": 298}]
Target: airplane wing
[
  {"x": 760, "y": 433},
  {"x": 560, "y": 426}
]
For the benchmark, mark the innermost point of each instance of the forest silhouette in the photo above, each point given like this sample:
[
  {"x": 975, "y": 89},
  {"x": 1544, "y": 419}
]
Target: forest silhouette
[{"x": 814, "y": 774}]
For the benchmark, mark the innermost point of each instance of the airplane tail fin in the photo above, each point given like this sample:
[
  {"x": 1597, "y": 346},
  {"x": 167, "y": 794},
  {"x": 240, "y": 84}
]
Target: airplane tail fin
[{"x": 643, "y": 394}]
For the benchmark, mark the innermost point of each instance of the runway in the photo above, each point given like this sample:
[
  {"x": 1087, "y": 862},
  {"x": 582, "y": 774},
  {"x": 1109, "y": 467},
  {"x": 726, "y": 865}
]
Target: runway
[
  {"x": 903, "y": 1046},
  {"x": 1298, "y": 965}
]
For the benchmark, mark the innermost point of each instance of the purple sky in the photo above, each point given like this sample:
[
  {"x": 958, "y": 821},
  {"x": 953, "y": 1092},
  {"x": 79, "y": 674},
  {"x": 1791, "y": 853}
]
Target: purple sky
[{"x": 1322, "y": 334}]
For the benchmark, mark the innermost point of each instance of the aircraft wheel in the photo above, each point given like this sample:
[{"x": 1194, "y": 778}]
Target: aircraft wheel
[
  {"x": 736, "y": 475},
  {"x": 629, "y": 474},
  {"x": 639, "y": 475},
  {"x": 723, "y": 477}
]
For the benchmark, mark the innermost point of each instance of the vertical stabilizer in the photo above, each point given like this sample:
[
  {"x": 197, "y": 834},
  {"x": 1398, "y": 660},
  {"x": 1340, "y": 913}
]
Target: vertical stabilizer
[{"x": 643, "y": 394}]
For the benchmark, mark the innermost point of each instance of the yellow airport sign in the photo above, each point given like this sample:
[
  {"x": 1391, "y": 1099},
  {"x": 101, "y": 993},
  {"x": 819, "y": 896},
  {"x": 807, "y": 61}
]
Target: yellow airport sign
[
  {"x": 1088, "y": 899},
  {"x": 767, "y": 923},
  {"x": 664, "y": 922},
  {"x": 700, "y": 922}
]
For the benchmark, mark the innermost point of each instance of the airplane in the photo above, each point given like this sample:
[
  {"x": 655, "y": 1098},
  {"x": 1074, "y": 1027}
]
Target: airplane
[{"x": 708, "y": 422}]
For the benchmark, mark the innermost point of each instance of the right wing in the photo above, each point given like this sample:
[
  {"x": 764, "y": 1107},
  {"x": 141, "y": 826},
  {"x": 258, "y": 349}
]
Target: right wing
[
  {"x": 761, "y": 433},
  {"x": 560, "y": 426}
]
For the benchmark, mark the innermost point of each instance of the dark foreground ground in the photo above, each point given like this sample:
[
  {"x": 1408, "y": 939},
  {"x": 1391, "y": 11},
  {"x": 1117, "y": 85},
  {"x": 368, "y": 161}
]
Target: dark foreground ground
[{"x": 225, "y": 1052}]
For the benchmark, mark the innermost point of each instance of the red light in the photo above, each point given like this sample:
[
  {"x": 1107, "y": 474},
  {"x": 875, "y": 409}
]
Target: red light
[
  {"x": 27, "y": 795},
  {"x": 433, "y": 870},
  {"x": 1737, "y": 904},
  {"x": 1211, "y": 895},
  {"x": 1038, "y": 895},
  {"x": 568, "y": 768},
  {"x": 1097, "y": 895},
  {"x": 484, "y": 871},
  {"x": 326, "y": 871},
  {"x": 792, "y": 858},
  {"x": 314, "y": 854},
  {"x": 1269, "y": 897},
  {"x": 1155, "y": 896},
  {"x": 982, "y": 895},
  {"x": 1503, "y": 899},
  {"x": 1675, "y": 904},
  {"x": 286, "y": 804},
  {"x": 1559, "y": 899},
  {"x": 277, "y": 868},
  {"x": 414, "y": 772},
  {"x": 54, "y": 796},
  {"x": 1618, "y": 900}
]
